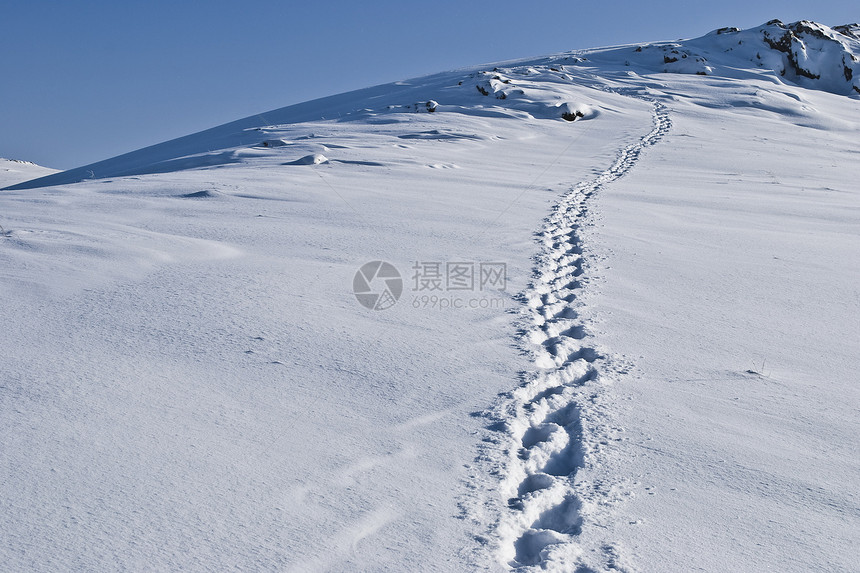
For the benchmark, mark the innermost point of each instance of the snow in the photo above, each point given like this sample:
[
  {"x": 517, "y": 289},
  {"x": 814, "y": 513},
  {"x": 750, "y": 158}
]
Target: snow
[
  {"x": 14, "y": 171},
  {"x": 194, "y": 377},
  {"x": 730, "y": 281}
]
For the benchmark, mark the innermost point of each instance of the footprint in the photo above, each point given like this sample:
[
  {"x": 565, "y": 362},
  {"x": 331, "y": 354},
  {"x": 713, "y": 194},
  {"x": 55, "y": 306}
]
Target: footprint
[{"x": 530, "y": 545}]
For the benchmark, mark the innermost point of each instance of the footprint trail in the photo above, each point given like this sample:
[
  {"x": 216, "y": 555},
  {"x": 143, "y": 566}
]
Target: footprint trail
[{"x": 547, "y": 422}]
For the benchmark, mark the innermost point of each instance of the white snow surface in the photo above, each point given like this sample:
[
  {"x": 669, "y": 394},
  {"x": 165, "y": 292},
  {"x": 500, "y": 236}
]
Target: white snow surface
[
  {"x": 667, "y": 382},
  {"x": 13, "y": 171}
]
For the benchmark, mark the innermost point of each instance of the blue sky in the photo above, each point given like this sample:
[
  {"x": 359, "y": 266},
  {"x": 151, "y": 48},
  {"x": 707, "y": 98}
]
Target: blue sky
[{"x": 84, "y": 81}]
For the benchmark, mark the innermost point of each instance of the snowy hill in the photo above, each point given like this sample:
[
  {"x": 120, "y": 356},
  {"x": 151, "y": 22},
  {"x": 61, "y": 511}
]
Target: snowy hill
[
  {"x": 14, "y": 171},
  {"x": 590, "y": 312},
  {"x": 802, "y": 53}
]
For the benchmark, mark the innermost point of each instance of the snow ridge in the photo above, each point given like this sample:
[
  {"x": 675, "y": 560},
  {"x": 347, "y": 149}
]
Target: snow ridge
[{"x": 551, "y": 432}]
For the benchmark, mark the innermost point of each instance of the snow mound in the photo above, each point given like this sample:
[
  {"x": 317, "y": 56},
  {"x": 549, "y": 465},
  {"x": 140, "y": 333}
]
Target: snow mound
[
  {"x": 312, "y": 159},
  {"x": 531, "y": 89},
  {"x": 674, "y": 58},
  {"x": 206, "y": 194}
]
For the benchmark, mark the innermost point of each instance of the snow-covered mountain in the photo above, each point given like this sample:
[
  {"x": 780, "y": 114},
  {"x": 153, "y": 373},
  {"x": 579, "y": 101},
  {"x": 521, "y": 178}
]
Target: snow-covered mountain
[{"x": 590, "y": 312}]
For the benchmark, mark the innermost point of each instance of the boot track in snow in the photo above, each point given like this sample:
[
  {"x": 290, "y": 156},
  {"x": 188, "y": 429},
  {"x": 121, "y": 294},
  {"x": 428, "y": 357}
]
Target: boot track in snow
[{"x": 545, "y": 442}]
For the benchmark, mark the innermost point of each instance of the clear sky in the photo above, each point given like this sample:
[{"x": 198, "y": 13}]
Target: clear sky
[{"x": 84, "y": 81}]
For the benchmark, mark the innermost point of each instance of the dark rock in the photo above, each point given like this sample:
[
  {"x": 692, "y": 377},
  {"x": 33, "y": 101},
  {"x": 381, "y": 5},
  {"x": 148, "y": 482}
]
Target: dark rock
[
  {"x": 803, "y": 27},
  {"x": 849, "y": 30},
  {"x": 781, "y": 44}
]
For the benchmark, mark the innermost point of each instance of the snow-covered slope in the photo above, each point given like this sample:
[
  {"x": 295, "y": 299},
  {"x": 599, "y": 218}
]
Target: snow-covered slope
[
  {"x": 803, "y": 53},
  {"x": 626, "y": 336},
  {"x": 14, "y": 171}
]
